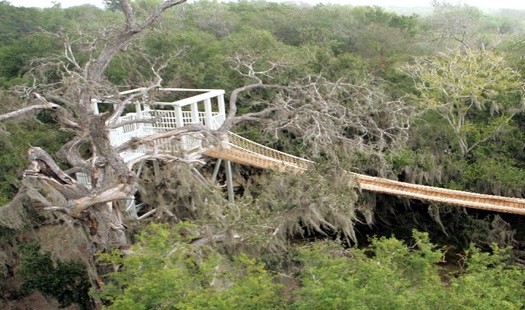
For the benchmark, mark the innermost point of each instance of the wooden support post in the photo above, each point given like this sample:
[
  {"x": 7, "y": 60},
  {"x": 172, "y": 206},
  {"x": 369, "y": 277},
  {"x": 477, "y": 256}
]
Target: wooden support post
[
  {"x": 222, "y": 110},
  {"x": 229, "y": 181},
  {"x": 199, "y": 175},
  {"x": 216, "y": 171},
  {"x": 139, "y": 115},
  {"x": 94, "y": 106},
  {"x": 156, "y": 171},
  {"x": 145, "y": 215},
  {"x": 139, "y": 169},
  {"x": 146, "y": 114}
]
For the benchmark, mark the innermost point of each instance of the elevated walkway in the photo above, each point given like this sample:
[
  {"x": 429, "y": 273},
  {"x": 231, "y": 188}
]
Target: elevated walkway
[
  {"x": 207, "y": 107},
  {"x": 246, "y": 152}
]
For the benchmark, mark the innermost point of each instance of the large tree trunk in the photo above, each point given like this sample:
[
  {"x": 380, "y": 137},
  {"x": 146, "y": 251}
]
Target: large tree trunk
[{"x": 48, "y": 188}]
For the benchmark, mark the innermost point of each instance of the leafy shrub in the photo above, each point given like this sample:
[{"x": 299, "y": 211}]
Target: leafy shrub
[
  {"x": 392, "y": 275},
  {"x": 165, "y": 272}
]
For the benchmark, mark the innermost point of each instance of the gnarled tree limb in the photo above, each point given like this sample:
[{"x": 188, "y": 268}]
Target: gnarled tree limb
[{"x": 41, "y": 106}]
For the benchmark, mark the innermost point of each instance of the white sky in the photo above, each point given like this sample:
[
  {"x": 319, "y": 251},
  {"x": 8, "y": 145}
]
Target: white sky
[{"x": 512, "y": 4}]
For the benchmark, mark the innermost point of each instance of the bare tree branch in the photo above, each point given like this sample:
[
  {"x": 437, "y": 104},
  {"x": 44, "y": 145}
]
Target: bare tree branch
[
  {"x": 98, "y": 67},
  {"x": 44, "y": 105},
  {"x": 145, "y": 90}
]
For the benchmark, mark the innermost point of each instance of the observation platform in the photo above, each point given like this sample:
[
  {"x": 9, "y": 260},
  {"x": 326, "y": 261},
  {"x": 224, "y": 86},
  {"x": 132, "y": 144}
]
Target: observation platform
[{"x": 197, "y": 106}]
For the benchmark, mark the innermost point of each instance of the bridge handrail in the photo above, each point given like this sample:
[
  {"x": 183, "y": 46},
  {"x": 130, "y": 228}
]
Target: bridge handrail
[{"x": 260, "y": 149}]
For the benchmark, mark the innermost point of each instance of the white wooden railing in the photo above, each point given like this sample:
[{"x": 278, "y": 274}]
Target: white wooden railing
[{"x": 206, "y": 107}]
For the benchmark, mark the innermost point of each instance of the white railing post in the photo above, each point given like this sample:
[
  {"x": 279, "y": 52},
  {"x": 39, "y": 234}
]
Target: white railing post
[
  {"x": 94, "y": 106},
  {"x": 145, "y": 114},
  {"x": 138, "y": 113},
  {"x": 178, "y": 116},
  {"x": 195, "y": 113},
  {"x": 208, "y": 116},
  {"x": 222, "y": 108}
]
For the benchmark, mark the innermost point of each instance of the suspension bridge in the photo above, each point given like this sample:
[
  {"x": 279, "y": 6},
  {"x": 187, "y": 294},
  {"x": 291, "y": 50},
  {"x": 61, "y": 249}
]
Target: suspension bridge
[{"x": 207, "y": 107}]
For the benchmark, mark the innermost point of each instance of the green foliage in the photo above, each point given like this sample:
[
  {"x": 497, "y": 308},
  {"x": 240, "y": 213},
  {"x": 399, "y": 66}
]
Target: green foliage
[
  {"x": 24, "y": 38},
  {"x": 489, "y": 282},
  {"x": 65, "y": 281},
  {"x": 166, "y": 272},
  {"x": 499, "y": 174},
  {"x": 15, "y": 59},
  {"x": 476, "y": 92},
  {"x": 391, "y": 275},
  {"x": 387, "y": 275},
  {"x": 16, "y": 22},
  {"x": 381, "y": 36}
]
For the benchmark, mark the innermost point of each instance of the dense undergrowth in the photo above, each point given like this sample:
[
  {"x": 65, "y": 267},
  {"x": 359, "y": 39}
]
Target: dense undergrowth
[{"x": 165, "y": 272}]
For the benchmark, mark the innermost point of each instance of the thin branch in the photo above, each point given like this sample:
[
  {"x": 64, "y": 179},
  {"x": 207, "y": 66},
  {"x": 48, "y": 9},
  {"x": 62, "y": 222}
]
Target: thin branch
[
  {"x": 136, "y": 121},
  {"x": 43, "y": 106},
  {"x": 254, "y": 116},
  {"x": 128, "y": 13},
  {"x": 99, "y": 65},
  {"x": 145, "y": 90},
  {"x": 231, "y": 118}
]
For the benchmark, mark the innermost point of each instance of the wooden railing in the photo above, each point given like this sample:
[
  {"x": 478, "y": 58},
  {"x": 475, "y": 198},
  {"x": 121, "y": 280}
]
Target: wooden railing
[
  {"x": 207, "y": 108},
  {"x": 247, "y": 152}
]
